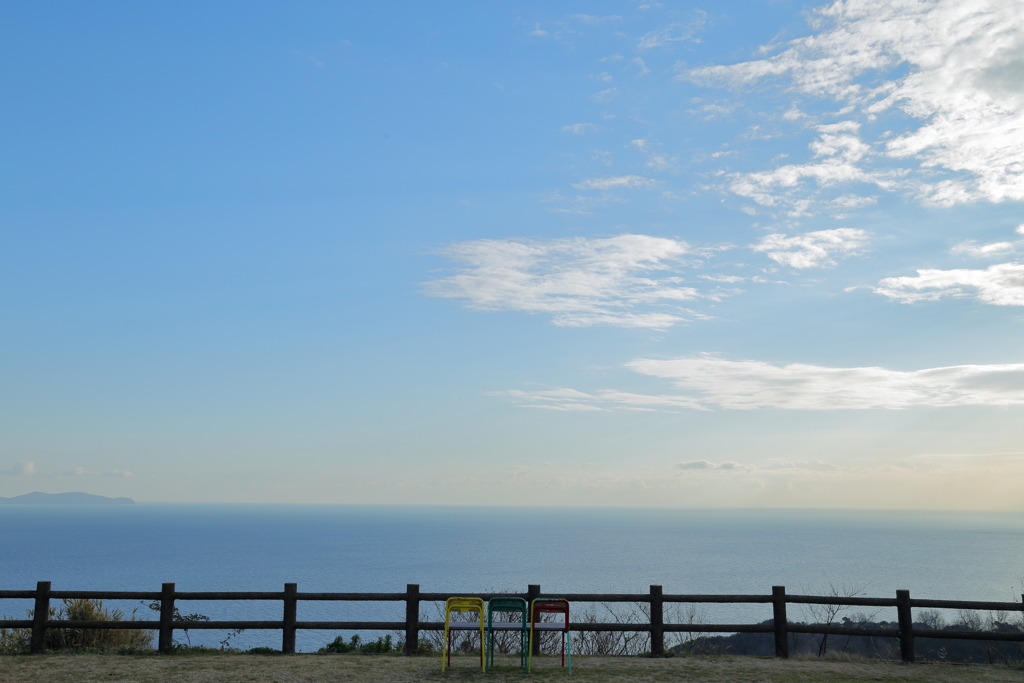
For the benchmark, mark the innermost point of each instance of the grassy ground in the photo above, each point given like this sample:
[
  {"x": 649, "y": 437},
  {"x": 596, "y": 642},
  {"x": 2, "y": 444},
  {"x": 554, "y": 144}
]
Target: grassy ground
[{"x": 229, "y": 668}]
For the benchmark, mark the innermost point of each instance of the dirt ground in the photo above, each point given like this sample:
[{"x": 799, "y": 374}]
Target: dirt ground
[{"x": 229, "y": 668}]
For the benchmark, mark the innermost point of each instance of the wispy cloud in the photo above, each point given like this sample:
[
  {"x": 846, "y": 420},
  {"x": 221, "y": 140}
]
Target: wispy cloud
[
  {"x": 955, "y": 67},
  {"x": 756, "y": 384},
  {"x": 628, "y": 280},
  {"x": 614, "y": 182},
  {"x": 592, "y": 20},
  {"x": 797, "y": 187},
  {"x": 581, "y": 128},
  {"x": 604, "y": 95},
  {"x": 570, "y": 399},
  {"x": 728, "y": 465},
  {"x": 711, "y": 382},
  {"x": 812, "y": 249},
  {"x": 23, "y": 468},
  {"x": 1000, "y": 285},
  {"x": 972, "y": 248},
  {"x": 723, "y": 278},
  {"x": 655, "y": 159},
  {"x": 676, "y": 32},
  {"x": 812, "y": 465}
]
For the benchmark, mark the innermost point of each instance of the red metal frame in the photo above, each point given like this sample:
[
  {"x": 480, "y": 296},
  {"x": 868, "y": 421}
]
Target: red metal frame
[{"x": 551, "y": 607}]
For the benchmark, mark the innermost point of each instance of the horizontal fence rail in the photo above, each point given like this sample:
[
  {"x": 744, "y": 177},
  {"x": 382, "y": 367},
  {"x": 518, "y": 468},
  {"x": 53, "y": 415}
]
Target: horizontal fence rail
[{"x": 781, "y": 627}]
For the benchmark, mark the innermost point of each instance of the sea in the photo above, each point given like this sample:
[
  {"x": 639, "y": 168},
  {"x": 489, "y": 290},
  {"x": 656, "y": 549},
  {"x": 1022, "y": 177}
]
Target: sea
[{"x": 934, "y": 554}]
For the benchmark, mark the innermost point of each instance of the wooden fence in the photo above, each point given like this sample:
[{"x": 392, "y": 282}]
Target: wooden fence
[{"x": 780, "y": 626}]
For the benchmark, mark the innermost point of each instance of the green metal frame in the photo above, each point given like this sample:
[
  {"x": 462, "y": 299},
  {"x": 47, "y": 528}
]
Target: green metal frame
[{"x": 508, "y": 606}]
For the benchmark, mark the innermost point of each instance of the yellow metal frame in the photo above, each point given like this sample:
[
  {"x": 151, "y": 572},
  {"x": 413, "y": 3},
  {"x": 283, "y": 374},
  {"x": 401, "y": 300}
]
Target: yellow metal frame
[{"x": 462, "y": 605}]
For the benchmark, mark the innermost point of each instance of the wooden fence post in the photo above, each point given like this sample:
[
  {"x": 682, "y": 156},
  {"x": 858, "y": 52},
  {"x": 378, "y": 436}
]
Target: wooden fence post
[
  {"x": 657, "y": 623},
  {"x": 39, "y": 616},
  {"x": 532, "y": 592},
  {"x": 781, "y": 621},
  {"x": 906, "y": 626},
  {"x": 288, "y": 630},
  {"x": 412, "y": 618},
  {"x": 166, "y": 641}
]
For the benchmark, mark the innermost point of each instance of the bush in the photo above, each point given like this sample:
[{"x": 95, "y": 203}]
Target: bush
[
  {"x": 14, "y": 641},
  {"x": 380, "y": 646},
  {"x": 17, "y": 640}
]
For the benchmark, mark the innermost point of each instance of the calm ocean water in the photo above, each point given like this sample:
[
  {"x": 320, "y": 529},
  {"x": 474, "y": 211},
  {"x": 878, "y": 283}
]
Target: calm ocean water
[{"x": 952, "y": 555}]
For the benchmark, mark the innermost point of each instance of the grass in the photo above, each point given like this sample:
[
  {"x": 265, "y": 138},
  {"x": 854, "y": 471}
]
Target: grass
[{"x": 312, "y": 668}]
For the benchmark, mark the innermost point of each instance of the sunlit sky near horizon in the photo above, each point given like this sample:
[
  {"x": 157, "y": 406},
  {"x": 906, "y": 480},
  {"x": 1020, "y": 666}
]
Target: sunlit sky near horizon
[{"x": 601, "y": 253}]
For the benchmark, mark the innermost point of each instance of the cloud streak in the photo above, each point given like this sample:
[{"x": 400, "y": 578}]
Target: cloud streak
[
  {"x": 23, "y": 468},
  {"x": 614, "y": 182},
  {"x": 625, "y": 281},
  {"x": 748, "y": 384},
  {"x": 1000, "y": 285},
  {"x": 956, "y": 69},
  {"x": 812, "y": 249},
  {"x": 710, "y": 382},
  {"x": 676, "y": 32}
]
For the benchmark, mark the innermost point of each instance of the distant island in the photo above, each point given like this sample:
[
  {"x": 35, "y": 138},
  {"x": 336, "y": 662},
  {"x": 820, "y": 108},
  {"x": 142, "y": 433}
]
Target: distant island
[{"x": 39, "y": 498}]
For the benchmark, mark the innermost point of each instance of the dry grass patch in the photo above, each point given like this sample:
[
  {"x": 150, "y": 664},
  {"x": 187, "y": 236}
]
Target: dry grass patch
[{"x": 232, "y": 668}]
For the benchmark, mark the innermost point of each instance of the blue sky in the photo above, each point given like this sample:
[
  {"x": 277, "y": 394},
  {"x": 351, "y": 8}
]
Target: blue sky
[{"x": 620, "y": 253}]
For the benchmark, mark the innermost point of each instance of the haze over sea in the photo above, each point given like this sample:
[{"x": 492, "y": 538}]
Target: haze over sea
[{"x": 951, "y": 555}]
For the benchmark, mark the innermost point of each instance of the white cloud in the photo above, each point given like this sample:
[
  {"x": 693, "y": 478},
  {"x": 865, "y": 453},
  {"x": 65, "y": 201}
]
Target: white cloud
[
  {"x": 723, "y": 278},
  {"x": 696, "y": 465},
  {"x": 787, "y": 186},
  {"x": 604, "y": 95},
  {"x": 570, "y": 399},
  {"x": 972, "y": 248},
  {"x": 744, "y": 385},
  {"x": 674, "y": 33},
  {"x": 538, "y": 31},
  {"x": 728, "y": 465},
  {"x": 643, "y": 67},
  {"x": 118, "y": 473},
  {"x": 956, "y": 68},
  {"x": 755, "y": 384},
  {"x": 23, "y": 468},
  {"x": 580, "y": 128},
  {"x": 813, "y": 465},
  {"x": 812, "y": 249},
  {"x": 626, "y": 281},
  {"x": 591, "y": 20},
  {"x": 852, "y": 201},
  {"x": 1000, "y": 285},
  {"x": 1020, "y": 229},
  {"x": 711, "y": 111},
  {"x": 613, "y": 182},
  {"x": 655, "y": 160}
]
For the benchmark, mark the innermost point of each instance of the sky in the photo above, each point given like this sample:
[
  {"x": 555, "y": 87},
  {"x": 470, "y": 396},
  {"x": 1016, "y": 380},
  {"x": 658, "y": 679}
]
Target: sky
[{"x": 637, "y": 253}]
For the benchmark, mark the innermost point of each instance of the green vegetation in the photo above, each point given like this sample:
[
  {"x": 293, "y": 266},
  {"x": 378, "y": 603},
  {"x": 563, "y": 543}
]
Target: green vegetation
[
  {"x": 356, "y": 644},
  {"x": 128, "y": 640}
]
